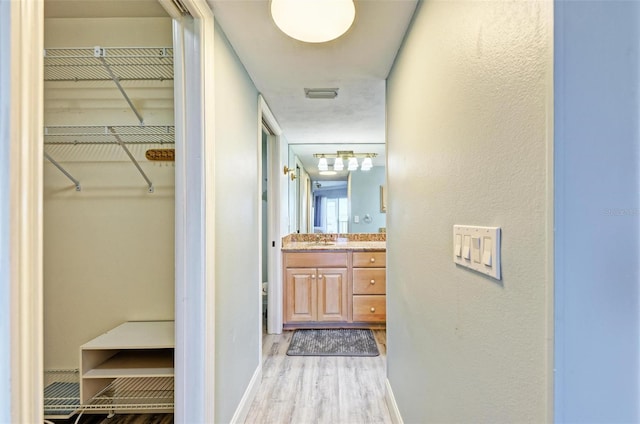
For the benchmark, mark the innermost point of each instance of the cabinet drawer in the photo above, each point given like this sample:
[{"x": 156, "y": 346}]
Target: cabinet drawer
[
  {"x": 315, "y": 260},
  {"x": 369, "y": 308},
  {"x": 369, "y": 281},
  {"x": 369, "y": 259}
]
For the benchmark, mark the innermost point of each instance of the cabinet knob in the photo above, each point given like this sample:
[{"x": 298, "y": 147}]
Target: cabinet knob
[
  {"x": 320, "y": 276},
  {"x": 313, "y": 276},
  {"x": 372, "y": 281},
  {"x": 373, "y": 260},
  {"x": 373, "y": 309}
]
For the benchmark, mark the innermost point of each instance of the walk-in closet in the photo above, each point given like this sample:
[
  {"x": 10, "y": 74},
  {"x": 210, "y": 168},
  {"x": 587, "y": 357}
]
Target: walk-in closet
[{"x": 108, "y": 213}]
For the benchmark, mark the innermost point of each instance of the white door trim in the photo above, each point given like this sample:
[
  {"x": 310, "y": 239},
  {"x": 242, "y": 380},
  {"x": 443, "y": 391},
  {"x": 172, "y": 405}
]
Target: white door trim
[
  {"x": 195, "y": 196},
  {"x": 21, "y": 122},
  {"x": 275, "y": 209}
]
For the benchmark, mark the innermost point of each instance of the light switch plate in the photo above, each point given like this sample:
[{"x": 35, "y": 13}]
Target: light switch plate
[{"x": 486, "y": 258}]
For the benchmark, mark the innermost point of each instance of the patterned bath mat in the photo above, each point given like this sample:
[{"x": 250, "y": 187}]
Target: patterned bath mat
[{"x": 333, "y": 342}]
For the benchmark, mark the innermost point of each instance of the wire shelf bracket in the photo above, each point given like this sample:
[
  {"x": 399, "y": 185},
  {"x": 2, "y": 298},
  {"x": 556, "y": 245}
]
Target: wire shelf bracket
[
  {"x": 135, "y": 162},
  {"x": 99, "y": 52},
  {"x": 64, "y": 171}
]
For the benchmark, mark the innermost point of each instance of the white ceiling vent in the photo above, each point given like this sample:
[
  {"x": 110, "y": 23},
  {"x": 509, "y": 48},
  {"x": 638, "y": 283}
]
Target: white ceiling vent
[{"x": 321, "y": 93}]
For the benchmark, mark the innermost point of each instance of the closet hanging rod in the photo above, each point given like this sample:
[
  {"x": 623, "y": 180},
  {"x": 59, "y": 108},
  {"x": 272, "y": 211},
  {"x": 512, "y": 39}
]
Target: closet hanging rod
[
  {"x": 99, "y": 53},
  {"x": 135, "y": 162},
  {"x": 64, "y": 171}
]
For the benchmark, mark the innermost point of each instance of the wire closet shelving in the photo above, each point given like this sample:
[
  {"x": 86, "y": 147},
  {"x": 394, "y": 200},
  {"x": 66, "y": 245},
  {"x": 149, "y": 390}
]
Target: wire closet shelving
[
  {"x": 114, "y": 64},
  {"x": 62, "y": 395}
]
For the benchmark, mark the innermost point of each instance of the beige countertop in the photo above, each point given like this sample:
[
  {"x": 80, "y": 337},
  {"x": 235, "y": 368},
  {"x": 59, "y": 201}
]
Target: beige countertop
[{"x": 298, "y": 246}]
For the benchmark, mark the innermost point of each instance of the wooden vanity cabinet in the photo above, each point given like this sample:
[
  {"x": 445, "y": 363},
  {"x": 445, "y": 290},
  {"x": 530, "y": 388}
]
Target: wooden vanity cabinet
[
  {"x": 316, "y": 294},
  {"x": 316, "y": 289},
  {"x": 338, "y": 288}
]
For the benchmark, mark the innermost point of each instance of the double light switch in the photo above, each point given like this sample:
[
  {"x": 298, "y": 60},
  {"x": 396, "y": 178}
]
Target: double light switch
[{"x": 477, "y": 248}]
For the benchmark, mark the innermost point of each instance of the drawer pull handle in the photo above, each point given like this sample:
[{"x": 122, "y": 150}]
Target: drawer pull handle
[
  {"x": 372, "y": 281},
  {"x": 373, "y": 260},
  {"x": 373, "y": 309}
]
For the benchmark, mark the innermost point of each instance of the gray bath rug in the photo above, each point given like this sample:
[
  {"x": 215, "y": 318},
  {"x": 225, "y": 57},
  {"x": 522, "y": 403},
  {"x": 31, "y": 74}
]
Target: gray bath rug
[{"x": 333, "y": 342}]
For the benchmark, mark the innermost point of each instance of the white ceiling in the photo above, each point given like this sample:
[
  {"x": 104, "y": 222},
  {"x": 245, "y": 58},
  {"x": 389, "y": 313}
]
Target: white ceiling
[{"x": 357, "y": 63}]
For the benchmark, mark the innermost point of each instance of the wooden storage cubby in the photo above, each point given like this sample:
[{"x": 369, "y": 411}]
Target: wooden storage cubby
[{"x": 136, "y": 357}]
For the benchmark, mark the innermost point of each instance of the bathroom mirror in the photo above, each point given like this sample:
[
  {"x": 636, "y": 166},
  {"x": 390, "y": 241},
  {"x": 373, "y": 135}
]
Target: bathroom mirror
[{"x": 336, "y": 201}]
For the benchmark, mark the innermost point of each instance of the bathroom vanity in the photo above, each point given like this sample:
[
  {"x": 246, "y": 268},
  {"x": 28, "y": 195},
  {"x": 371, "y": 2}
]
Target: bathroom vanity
[{"x": 333, "y": 282}]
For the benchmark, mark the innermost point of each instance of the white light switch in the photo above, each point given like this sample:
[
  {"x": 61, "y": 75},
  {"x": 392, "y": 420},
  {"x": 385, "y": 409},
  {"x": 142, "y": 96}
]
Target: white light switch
[
  {"x": 466, "y": 248},
  {"x": 486, "y": 251},
  {"x": 356, "y": 219},
  {"x": 477, "y": 248},
  {"x": 457, "y": 246}
]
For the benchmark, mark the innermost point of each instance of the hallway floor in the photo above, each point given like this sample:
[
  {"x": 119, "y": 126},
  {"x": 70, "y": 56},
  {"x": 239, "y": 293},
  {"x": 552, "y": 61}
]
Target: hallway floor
[{"x": 319, "y": 389}]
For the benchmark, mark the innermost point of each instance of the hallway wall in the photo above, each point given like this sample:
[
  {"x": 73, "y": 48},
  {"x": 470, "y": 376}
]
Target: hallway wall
[
  {"x": 238, "y": 281},
  {"x": 468, "y": 103},
  {"x": 597, "y": 172}
]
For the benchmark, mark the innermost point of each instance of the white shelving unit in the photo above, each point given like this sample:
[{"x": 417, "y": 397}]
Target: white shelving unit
[
  {"x": 129, "y": 367},
  {"x": 116, "y": 64}
]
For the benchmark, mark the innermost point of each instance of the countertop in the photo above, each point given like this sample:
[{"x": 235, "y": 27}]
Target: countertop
[{"x": 298, "y": 246}]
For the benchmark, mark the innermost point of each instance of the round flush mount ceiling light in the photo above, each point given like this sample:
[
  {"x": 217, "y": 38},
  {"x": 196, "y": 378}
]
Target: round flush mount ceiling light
[{"x": 313, "y": 21}]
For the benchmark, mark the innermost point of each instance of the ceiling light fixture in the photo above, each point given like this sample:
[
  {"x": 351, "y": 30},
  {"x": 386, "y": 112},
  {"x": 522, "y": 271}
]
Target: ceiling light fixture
[
  {"x": 313, "y": 21},
  {"x": 327, "y": 172}
]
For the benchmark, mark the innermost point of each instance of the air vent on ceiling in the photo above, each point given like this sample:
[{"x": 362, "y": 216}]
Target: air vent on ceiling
[{"x": 321, "y": 93}]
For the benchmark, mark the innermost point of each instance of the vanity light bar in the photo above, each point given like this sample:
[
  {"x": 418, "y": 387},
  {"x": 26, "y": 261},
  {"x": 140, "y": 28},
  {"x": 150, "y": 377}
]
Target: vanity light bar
[{"x": 345, "y": 154}]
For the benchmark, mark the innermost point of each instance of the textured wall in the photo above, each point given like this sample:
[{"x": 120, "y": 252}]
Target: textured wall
[
  {"x": 597, "y": 212},
  {"x": 468, "y": 108},
  {"x": 238, "y": 281}
]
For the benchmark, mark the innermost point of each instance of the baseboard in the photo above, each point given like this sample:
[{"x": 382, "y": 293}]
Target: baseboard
[
  {"x": 242, "y": 411},
  {"x": 396, "y": 418}
]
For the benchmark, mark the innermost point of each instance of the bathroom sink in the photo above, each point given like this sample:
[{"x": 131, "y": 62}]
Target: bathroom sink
[{"x": 322, "y": 243}]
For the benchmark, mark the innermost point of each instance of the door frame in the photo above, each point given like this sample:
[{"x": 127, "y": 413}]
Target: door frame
[
  {"x": 194, "y": 86},
  {"x": 21, "y": 224},
  {"x": 21, "y": 232},
  {"x": 276, "y": 187}
]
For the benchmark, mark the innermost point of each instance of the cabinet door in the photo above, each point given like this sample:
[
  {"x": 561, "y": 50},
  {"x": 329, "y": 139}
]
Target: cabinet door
[
  {"x": 332, "y": 294},
  {"x": 301, "y": 301}
]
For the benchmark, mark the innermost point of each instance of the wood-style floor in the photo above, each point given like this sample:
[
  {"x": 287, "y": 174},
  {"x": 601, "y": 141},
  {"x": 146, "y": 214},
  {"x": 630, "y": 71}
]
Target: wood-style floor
[
  {"x": 302, "y": 389},
  {"x": 319, "y": 389}
]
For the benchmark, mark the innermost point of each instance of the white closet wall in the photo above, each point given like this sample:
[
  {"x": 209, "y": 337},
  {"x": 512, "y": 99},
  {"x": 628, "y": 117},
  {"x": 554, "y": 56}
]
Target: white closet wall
[{"x": 109, "y": 248}]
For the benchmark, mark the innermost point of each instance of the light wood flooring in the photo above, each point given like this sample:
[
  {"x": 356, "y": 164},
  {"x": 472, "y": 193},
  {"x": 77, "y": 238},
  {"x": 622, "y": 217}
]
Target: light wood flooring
[{"x": 319, "y": 389}]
